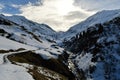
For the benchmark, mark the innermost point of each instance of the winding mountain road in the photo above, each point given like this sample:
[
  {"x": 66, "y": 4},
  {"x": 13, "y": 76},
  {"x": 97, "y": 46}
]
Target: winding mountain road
[{"x": 4, "y": 59}]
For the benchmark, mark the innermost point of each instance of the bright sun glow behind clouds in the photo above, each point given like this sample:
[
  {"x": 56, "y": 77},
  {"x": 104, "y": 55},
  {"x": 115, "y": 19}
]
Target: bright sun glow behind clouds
[
  {"x": 64, "y": 6},
  {"x": 59, "y": 14}
]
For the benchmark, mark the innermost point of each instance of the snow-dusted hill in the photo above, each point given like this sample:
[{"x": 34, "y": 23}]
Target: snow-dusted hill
[
  {"x": 32, "y": 49},
  {"x": 100, "y": 17},
  {"x": 19, "y": 34},
  {"x": 6, "y": 44},
  {"x": 41, "y": 30},
  {"x": 19, "y": 29}
]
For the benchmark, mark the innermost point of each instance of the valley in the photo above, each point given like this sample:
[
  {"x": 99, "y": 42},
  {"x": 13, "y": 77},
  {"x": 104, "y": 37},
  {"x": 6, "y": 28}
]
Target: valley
[{"x": 89, "y": 50}]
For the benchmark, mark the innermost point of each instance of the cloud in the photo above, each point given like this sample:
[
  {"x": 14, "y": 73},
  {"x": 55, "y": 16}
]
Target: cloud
[
  {"x": 59, "y": 14},
  {"x": 1, "y": 6},
  {"x": 16, "y": 6},
  {"x": 43, "y": 14},
  {"x": 75, "y": 15},
  {"x": 12, "y": 6},
  {"x": 19, "y": 2},
  {"x": 97, "y": 5}
]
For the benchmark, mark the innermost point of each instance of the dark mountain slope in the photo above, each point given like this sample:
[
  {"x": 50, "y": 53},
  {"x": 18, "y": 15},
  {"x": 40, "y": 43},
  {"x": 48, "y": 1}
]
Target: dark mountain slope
[{"x": 96, "y": 50}]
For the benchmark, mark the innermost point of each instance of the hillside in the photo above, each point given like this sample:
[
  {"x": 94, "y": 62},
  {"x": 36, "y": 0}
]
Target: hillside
[
  {"x": 89, "y": 50},
  {"x": 96, "y": 47},
  {"x": 32, "y": 50}
]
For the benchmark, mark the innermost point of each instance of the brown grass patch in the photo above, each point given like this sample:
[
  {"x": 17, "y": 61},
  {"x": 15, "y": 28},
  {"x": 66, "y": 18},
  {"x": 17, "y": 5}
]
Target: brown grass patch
[{"x": 35, "y": 59}]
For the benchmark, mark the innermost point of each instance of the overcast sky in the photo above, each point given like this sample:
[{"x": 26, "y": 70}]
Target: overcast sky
[{"x": 58, "y": 14}]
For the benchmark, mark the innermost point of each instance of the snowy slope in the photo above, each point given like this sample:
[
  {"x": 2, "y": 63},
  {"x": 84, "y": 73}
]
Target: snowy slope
[
  {"x": 42, "y": 30},
  {"x": 94, "y": 43},
  {"x": 96, "y": 49},
  {"x": 14, "y": 72},
  {"x": 19, "y": 29},
  {"x": 100, "y": 17},
  {"x": 24, "y": 31},
  {"x": 16, "y": 33},
  {"x": 6, "y": 44}
]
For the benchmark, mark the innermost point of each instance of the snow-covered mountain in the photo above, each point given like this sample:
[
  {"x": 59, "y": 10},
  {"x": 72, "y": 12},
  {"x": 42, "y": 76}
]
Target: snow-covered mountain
[
  {"x": 36, "y": 43},
  {"x": 41, "y": 30},
  {"x": 100, "y": 17},
  {"x": 95, "y": 44},
  {"x": 90, "y": 50}
]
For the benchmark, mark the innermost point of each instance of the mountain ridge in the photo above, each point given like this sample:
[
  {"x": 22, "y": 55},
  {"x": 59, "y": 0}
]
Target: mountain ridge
[
  {"x": 99, "y": 17},
  {"x": 96, "y": 50},
  {"x": 90, "y": 49}
]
